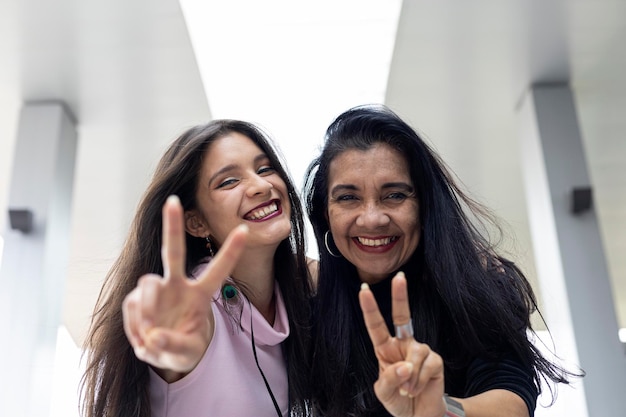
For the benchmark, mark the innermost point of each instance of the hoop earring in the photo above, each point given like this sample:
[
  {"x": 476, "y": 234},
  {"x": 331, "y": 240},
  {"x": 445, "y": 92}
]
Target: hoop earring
[
  {"x": 209, "y": 246},
  {"x": 328, "y": 247}
]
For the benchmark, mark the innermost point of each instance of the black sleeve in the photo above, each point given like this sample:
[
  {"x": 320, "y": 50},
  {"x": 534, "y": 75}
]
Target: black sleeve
[{"x": 509, "y": 374}]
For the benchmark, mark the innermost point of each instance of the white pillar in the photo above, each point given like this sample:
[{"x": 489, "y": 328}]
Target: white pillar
[
  {"x": 571, "y": 266},
  {"x": 35, "y": 261}
]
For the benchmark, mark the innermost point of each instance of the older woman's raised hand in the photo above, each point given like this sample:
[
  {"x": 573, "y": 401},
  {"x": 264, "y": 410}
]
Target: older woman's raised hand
[
  {"x": 168, "y": 320},
  {"x": 410, "y": 380}
]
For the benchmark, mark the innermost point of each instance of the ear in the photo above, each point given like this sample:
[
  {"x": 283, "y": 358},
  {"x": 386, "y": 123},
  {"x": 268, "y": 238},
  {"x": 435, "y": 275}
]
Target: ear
[{"x": 195, "y": 224}]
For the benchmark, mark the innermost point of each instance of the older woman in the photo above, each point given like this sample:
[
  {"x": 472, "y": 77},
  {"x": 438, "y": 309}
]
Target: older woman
[{"x": 381, "y": 202}]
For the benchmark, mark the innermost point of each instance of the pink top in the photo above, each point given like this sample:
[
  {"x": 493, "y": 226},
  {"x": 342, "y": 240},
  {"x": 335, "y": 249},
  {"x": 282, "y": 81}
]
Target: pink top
[{"x": 227, "y": 381}]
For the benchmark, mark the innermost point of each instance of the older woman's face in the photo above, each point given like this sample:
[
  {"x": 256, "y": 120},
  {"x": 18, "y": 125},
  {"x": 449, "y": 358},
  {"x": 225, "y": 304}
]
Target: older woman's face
[{"x": 373, "y": 210}]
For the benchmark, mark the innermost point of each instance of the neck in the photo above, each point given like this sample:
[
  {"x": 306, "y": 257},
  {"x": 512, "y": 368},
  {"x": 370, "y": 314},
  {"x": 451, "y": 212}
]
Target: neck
[{"x": 255, "y": 270}]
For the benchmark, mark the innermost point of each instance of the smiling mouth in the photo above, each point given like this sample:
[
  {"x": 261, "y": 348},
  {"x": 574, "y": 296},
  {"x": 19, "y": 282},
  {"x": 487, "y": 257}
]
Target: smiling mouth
[
  {"x": 374, "y": 243},
  {"x": 263, "y": 212}
]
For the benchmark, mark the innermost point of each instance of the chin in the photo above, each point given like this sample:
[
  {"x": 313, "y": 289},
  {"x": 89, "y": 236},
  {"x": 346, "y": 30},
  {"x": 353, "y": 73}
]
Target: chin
[{"x": 280, "y": 233}]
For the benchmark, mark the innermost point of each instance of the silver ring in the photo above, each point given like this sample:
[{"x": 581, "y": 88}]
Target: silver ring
[{"x": 404, "y": 331}]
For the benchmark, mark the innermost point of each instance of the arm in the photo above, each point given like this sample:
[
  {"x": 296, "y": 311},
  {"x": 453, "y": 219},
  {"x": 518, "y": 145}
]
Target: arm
[
  {"x": 411, "y": 381},
  {"x": 494, "y": 403}
]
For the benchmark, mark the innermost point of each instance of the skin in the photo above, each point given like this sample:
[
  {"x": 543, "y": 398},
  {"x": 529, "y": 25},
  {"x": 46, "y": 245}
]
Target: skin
[
  {"x": 373, "y": 210},
  {"x": 243, "y": 205},
  {"x": 236, "y": 180},
  {"x": 411, "y": 380},
  {"x": 236, "y": 183}
]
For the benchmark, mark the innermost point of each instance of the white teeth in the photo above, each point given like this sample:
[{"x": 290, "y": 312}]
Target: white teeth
[
  {"x": 374, "y": 242},
  {"x": 264, "y": 212}
]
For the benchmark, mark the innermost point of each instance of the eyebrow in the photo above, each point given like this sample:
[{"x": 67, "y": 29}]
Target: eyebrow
[
  {"x": 387, "y": 185},
  {"x": 402, "y": 185},
  {"x": 231, "y": 167}
]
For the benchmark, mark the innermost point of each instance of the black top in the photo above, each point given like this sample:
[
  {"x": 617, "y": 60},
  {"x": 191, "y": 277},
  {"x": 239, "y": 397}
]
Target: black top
[
  {"x": 508, "y": 373},
  {"x": 482, "y": 375}
]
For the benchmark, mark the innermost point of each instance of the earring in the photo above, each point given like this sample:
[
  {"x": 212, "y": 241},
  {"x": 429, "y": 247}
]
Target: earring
[
  {"x": 209, "y": 246},
  {"x": 328, "y": 247},
  {"x": 229, "y": 292}
]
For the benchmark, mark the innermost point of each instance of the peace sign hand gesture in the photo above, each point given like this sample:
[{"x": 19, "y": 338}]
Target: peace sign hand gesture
[
  {"x": 168, "y": 320},
  {"x": 410, "y": 380}
]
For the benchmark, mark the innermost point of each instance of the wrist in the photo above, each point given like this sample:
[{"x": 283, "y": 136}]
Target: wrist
[{"x": 453, "y": 407}]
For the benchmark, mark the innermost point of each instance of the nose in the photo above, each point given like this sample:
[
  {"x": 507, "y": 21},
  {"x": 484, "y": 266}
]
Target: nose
[
  {"x": 258, "y": 185},
  {"x": 371, "y": 216}
]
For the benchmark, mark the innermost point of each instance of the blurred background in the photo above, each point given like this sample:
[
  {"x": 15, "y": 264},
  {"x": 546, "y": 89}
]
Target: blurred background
[{"x": 131, "y": 75}]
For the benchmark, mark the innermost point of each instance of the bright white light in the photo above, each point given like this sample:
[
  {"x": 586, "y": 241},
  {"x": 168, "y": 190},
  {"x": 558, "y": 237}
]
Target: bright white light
[
  {"x": 284, "y": 63},
  {"x": 622, "y": 335},
  {"x": 292, "y": 67}
]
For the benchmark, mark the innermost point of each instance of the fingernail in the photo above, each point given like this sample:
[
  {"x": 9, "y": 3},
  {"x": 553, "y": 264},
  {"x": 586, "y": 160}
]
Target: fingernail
[
  {"x": 403, "y": 392},
  {"x": 365, "y": 286},
  {"x": 244, "y": 227},
  {"x": 173, "y": 199},
  {"x": 404, "y": 370}
]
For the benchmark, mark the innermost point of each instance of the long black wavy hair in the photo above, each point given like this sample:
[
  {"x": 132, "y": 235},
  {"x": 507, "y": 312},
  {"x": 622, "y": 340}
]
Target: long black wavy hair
[
  {"x": 465, "y": 300},
  {"x": 115, "y": 383}
]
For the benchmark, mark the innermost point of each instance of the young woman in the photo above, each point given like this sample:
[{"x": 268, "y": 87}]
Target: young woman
[
  {"x": 164, "y": 344},
  {"x": 380, "y": 202}
]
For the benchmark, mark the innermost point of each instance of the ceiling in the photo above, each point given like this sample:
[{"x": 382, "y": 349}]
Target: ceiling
[
  {"x": 127, "y": 71},
  {"x": 460, "y": 68}
]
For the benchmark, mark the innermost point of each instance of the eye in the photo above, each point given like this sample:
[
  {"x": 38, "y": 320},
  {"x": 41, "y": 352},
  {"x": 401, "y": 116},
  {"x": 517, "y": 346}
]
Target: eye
[
  {"x": 346, "y": 197},
  {"x": 397, "y": 196},
  {"x": 227, "y": 182},
  {"x": 266, "y": 169}
]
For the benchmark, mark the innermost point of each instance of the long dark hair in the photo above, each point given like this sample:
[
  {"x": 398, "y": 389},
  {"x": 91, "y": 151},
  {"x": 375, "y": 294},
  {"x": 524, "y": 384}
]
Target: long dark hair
[
  {"x": 116, "y": 382},
  {"x": 466, "y": 301}
]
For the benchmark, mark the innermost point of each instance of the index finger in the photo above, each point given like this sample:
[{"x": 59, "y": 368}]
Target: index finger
[
  {"x": 224, "y": 262},
  {"x": 374, "y": 321},
  {"x": 400, "y": 310},
  {"x": 173, "y": 247}
]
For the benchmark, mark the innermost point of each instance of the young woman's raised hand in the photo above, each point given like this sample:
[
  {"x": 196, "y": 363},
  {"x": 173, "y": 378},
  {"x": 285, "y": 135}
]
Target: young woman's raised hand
[
  {"x": 410, "y": 380},
  {"x": 168, "y": 320}
]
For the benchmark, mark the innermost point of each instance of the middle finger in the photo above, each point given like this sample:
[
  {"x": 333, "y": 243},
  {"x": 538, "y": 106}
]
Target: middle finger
[{"x": 400, "y": 311}]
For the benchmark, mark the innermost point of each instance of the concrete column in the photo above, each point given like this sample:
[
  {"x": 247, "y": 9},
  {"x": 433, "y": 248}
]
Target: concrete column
[
  {"x": 36, "y": 254},
  {"x": 571, "y": 266}
]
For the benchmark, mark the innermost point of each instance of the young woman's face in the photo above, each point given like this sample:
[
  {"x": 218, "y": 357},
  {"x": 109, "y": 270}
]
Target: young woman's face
[
  {"x": 373, "y": 211},
  {"x": 238, "y": 185}
]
